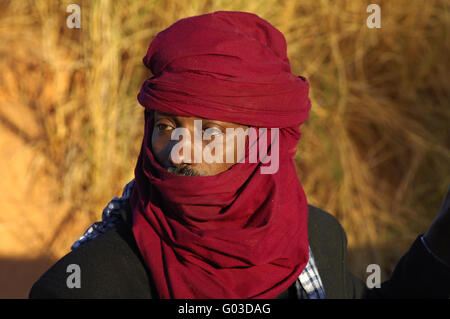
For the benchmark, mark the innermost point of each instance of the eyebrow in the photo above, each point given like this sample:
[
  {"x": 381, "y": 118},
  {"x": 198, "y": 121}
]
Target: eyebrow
[
  {"x": 209, "y": 120},
  {"x": 162, "y": 113},
  {"x": 159, "y": 112}
]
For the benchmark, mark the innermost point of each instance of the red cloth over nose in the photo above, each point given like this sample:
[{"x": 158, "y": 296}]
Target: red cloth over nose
[{"x": 238, "y": 234}]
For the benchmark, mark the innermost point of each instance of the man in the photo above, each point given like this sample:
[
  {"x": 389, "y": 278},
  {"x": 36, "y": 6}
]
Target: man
[{"x": 238, "y": 226}]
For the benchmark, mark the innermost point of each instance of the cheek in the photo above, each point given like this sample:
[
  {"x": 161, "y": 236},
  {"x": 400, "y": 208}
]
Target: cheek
[
  {"x": 158, "y": 145},
  {"x": 154, "y": 142},
  {"x": 235, "y": 147}
]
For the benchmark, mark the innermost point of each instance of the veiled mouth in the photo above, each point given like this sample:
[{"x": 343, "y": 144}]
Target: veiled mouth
[{"x": 183, "y": 170}]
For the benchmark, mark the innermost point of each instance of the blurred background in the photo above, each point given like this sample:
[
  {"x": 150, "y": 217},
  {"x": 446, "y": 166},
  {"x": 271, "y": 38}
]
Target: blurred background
[{"x": 374, "y": 153}]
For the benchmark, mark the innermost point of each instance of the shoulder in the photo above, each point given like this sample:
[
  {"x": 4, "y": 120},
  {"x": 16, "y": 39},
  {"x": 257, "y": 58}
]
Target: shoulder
[
  {"x": 323, "y": 224},
  {"x": 328, "y": 242},
  {"x": 108, "y": 266},
  {"x": 326, "y": 235}
]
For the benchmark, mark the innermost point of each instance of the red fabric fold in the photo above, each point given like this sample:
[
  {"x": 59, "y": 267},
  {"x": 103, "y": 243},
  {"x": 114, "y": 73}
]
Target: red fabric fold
[
  {"x": 228, "y": 66},
  {"x": 238, "y": 234}
]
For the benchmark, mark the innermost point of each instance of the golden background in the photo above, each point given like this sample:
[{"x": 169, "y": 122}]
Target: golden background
[{"x": 374, "y": 152}]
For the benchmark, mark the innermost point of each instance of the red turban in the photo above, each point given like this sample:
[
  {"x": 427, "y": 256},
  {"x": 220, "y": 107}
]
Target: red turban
[{"x": 238, "y": 234}]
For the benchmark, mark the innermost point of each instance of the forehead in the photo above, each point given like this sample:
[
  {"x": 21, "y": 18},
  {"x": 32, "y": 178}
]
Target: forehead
[{"x": 159, "y": 114}]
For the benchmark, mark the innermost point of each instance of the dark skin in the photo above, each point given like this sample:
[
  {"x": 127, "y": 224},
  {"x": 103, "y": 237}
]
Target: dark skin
[
  {"x": 437, "y": 236},
  {"x": 162, "y": 144}
]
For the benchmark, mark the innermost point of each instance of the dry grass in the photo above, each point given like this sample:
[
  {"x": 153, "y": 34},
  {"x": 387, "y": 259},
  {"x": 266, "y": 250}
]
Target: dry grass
[{"x": 375, "y": 151}]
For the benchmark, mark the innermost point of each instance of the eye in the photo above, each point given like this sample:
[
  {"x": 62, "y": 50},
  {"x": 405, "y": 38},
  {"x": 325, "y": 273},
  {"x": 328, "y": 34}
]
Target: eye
[
  {"x": 162, "y": 127},
  {"x": 213, "y": 131}
]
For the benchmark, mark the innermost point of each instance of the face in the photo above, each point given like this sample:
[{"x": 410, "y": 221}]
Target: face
[{"x": 184, "y": 163}]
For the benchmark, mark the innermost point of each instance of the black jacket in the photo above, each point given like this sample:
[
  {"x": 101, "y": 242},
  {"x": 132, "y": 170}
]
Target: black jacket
[{"x": 112, "y": 267}]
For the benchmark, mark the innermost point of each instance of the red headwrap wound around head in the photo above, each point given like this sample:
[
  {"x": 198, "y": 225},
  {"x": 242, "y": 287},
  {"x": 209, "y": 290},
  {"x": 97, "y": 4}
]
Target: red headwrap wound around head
[
  {"x": 226, "y": 66},
  {"x": 238, "y": 234}
]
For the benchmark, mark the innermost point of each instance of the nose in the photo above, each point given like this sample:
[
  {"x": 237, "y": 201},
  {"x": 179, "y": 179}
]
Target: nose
[
  {"x": 184, "y": 145},
  {"x": 179, "y": 152}
]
